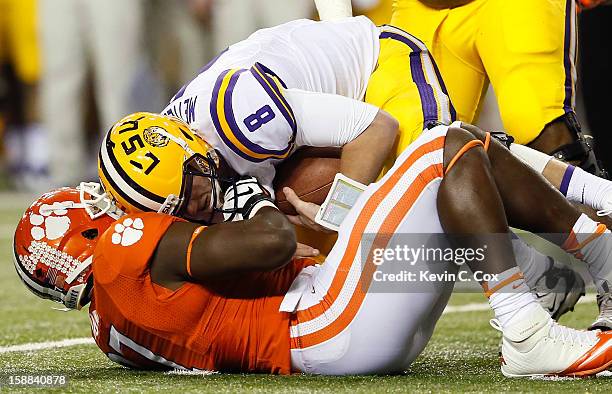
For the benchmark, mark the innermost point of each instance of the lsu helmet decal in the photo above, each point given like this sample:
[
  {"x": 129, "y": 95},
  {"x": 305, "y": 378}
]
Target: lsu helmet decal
[
  {"x": 55, "y": 240},
  {"x": 147, "y": 162}
]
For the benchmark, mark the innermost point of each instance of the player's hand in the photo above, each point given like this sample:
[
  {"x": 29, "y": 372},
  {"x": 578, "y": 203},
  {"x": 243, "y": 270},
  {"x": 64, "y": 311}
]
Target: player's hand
[
  {"x": 244, "y": 198},
  {"x": 306, "y": 212},
  {"x": 303, "y": 250}
]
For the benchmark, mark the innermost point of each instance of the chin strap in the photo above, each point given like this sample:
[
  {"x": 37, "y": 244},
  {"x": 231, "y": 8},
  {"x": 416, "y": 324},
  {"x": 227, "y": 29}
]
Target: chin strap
[
  {"x": 581, "y": 150},
  {"x": 74, "y": 296}
]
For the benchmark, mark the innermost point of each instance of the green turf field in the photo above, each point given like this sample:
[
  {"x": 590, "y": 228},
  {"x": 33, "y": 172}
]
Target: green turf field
[{"x": 462, "y": 356}]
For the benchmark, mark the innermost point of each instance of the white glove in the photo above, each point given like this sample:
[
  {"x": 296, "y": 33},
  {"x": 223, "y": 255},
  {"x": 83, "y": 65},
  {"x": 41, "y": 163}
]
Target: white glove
[{"x": 244, "y": 199}]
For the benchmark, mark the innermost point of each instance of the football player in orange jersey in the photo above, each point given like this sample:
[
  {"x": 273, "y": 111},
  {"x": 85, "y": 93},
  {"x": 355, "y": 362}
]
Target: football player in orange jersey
[
  {"x": 171, "y": 294},
  {"x": 247, "y": 112},
  {"x": 139, "y": 170}
]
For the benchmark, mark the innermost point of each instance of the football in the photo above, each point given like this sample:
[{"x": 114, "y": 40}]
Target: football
[{"x": 310, "y": 173}]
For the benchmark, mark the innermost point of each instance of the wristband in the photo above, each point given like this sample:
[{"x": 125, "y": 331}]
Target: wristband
[{"x": 255, "y": 203}]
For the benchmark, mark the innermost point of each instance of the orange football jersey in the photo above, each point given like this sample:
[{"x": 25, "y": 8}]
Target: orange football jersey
[{"x": 226, "y": 325}]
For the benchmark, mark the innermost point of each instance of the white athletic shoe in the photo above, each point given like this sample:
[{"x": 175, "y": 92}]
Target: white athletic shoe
[
  {"x": 604, "y": 320},
  {"x": 558, "y": 289},
  {"x": 538, "y": 346}
]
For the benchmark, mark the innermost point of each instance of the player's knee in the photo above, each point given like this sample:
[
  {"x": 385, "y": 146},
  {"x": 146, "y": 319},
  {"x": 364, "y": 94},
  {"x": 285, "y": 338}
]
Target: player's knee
[
  {"x": 552, "y": 137},
  {"x": 564, "y": 139},
  {"x": 476, "y": 131},
  {"x": 456, "y": 140}
]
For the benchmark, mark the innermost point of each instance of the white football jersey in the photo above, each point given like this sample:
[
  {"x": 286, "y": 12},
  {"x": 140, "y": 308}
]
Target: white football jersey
[{"x": 240, "y": 101}]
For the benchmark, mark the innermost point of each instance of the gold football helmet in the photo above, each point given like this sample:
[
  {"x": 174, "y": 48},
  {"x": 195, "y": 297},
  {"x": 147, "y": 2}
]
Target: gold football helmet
[{"x": 147, "y": 163}]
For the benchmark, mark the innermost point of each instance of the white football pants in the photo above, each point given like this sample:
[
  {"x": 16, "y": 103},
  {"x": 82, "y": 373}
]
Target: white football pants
[{"x": 338, "y": 326}]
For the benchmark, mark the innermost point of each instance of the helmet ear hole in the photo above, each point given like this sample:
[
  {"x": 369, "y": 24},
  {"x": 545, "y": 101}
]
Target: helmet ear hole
[
  {"x": 91, "y": 233},
  {"x": 186, "y": 135}
]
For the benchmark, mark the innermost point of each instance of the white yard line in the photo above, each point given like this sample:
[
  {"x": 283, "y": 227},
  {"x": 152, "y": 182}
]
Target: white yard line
[{"x": 35, "y": 346}]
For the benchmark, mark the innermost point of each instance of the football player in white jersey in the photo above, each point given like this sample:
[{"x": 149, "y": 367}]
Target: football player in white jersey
[{"x": 298, "y": 84}]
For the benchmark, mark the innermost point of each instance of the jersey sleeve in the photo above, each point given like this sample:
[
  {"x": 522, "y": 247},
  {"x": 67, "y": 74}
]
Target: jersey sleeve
[
  {"x": 251, "y": 115},
  {"x": 329, "y": 119}
]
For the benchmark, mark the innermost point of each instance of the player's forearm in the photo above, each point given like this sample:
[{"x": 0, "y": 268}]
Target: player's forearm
[
  {"x": 276, "y": 240},
  {"x": 363, "y": 158},
  {"x": 330, "y": 10},
  {"x": 263, "y": 243}
]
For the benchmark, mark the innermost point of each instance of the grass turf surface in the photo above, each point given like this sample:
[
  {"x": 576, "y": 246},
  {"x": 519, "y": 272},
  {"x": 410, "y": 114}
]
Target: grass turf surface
[{"x": 461, "y": 357}]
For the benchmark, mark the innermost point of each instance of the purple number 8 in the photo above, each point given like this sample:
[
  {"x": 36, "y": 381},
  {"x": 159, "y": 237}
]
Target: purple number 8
[{"x": 261, "y": 117}]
